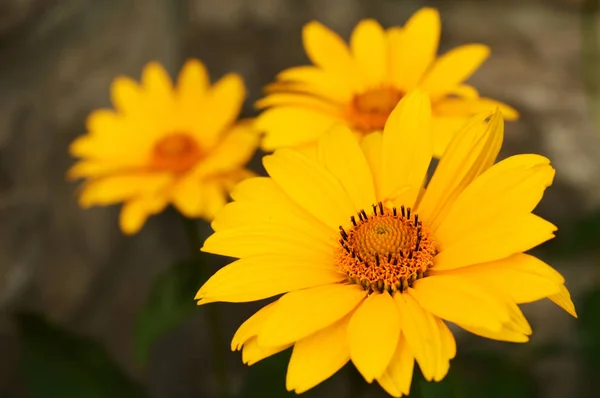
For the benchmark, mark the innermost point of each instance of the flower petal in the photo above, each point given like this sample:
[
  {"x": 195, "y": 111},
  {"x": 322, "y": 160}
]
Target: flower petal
[
  {"x": 317, "y": 357},
  {"x": 407, "y": 147},
  {"x": 471, "y": 106},
  {"x": 369, "y": 48},
  {"x": 304, "y": 312},
  {"x": 454, "y": 67},
  {"x": 471, "y": 149},
  {"x": 117, "y": 188},
  {"x": 373, "y": 335},
  {"x": 504, "y": 334},
  {"x": 253, "y": 352},
  {"x": 341, "y": 154},
  {"x": 454, "y": 299},
  {"x": 371, "y": 147},
  {"x": 251, "y": 327},
  {"x": 563, "y": 300},
  {"x": 311, "y": 81},
  {"x": 497, "y": 239},
  {"x": 397, "y": 378},
  {"x": 414, "y": 48},
  {"x": 310, "y": 186},
  {"x": 260, "y": 277},
  {"x": 135, "y": 212}
]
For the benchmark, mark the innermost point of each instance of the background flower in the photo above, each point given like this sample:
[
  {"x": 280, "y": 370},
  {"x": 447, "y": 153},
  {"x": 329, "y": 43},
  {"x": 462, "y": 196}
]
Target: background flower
[
  {"x": 359, "y": 85},
  {"x": 371, "y": 265},
  {"x": 164, "y": 144}
]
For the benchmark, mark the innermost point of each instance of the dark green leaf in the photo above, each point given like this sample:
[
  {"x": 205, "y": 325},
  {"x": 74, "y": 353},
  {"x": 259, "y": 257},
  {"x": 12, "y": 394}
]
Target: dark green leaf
[
  {"x": 57, "y": 363},
  {"x": 171, "y": 302}
]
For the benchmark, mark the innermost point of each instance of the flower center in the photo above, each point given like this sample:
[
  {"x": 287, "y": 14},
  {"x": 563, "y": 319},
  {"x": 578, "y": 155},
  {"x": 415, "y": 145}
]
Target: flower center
[
  {"x": 386, "y": 251},
  {"x": 369, "y": 111},
  {"x": 177, "y": 152}
]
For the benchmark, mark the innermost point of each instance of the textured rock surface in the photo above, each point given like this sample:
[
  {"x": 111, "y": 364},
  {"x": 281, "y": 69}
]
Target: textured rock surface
[{"x": 57, "y": 59}]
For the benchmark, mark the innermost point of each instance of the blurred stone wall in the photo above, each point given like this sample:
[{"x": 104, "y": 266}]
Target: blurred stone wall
[{"x": 57, "y": 58}]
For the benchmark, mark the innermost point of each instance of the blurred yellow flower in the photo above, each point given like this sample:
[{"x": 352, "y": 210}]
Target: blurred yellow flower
[
  {"x": 359, "y": 85},
  {"x": 164, "y": 144},
  {"x": 370, "y": 264}
]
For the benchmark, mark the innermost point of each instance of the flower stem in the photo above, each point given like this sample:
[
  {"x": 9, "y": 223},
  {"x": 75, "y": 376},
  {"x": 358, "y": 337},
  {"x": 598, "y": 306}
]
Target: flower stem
[{"x": 215, "y": 323}]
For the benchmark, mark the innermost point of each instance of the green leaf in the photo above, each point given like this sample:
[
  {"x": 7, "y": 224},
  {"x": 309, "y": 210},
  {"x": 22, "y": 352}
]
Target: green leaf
[
  {"x": 170, "y": 304},
  {"x": 482, "y": 374},
  {"x": 57, "y": 363}
]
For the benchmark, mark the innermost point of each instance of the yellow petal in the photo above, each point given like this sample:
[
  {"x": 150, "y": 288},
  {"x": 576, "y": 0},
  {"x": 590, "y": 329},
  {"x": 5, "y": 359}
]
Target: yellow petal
[
  {"x": 512, "y": 187},
  {"x": 523, "y": 277},
  {"x": 373, "y": 335},
  {"x": 113, "y": 189},
  {"x": 369, "y": 48},
  {"x": 251, "y": 326},
  {"x": 465, "y": 91},
  {"x": 371, "y": 147},
  {"x": 159, "y": 94},
  {"x": 303, "y": 312},
  {"x": 187, "y": 197},
  {"x": 312, "y": 81},
  {"x": 311, "y": 186},
  {"x": 494, "y": 240},
  {"x": 289, "y": 126},
  {"x": 135, "y": 212},
  {"x": 444, "y": 128},
  {"x": 422, "y": 334},
  {"x": 223, "y": 103},
  {"x": 563, "y": 300},
  {"x": 414, "y": 48},
  {"x": 318, "y": 357},
  {"x": 214, "y": 198},
  {"x": 260, "y": 277},
  {"x": 454, "y": 67},
  {"x": 193, "y": 82},
  {"x": 470, "y": 106},
  {"x": 328, "y": 51},
  {"x": 253, "y": 352},
  {"x": 473, "y": 145},
  {"x": 341, "y": 154},
  {"x": 407, "y": 147},
  {"x": 94, "y": 169},
  {"x": 126, "y": 96},
  {"x": 454, "y": 299},
  {"x": 504, "y": 334},
  {"x": 448, "y": 341},
  {"x": 397, "y": 378},
  {"x": 299, "y": 100}
]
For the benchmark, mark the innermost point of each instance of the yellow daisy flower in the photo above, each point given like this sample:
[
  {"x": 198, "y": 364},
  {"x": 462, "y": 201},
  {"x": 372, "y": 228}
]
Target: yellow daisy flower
[
  {"x": 371, "y": 265},
  {"x": 164, "y": 144},
  {"x": 359, "y": 85}
]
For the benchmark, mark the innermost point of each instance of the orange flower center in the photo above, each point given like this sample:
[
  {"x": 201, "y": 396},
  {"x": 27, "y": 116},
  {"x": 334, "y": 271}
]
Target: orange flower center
[
  {"x": 177, "y": 152},
  {"x": 386, "y": 251},
  {"x": 369, "y": 111}
]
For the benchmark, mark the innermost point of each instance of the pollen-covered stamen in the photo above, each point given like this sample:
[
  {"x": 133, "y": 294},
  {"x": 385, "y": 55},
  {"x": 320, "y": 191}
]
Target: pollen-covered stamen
[
  {"x": 176, "y": 152},
  {"x": 385, "y": 251}
]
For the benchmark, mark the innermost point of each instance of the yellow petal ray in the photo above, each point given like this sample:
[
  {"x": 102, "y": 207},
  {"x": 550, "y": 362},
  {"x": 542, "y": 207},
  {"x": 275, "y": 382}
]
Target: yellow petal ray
[
  {"x": 371, "y": 147},
  {"x": 454, "y": 67},
  {"x": 135, "y": 212},
  {"x": 511, "y": 187},
  {"x": 373, "y": 334},
  {"x": 96, "y": 169},
  {"x": 312, "y": 81},
  {"x": 126, "y": 96},
  {"x": 523, "y": 277},
  {"x": 311, "y": 186},
  {"x": 504, "y": 334},
  {"x": 454, "y": 299},
  {"x": 471, "y": 106},
  {"x": 251, "y": 326},
  {"x": 421, "y": 333},
  {"x": 317, "y": 357},
  {"x": 448, "y": 341},
  {"x": 477, "y": 141},
  {"x": 260, "y": 277},
  {"x": 397, "y": 378},
  {"x": 159, "y": 95},
  {"x": 252, "y": 240},
  {"x": 341, "y": 154},
  {"x": 223, "y": 103},
  {"x": 494, "y": 240},
  {"x": 117, "y": 188},
  {"x": 304, "y": 312},
  {"x": 193, "y": 82},
  {"x": 288, "y": 126},
  {"x": 443, "y": 130},
  {"x": 414, "y": 48},
  {"x": 214, "y": 198},
  {"x": 369, "y": 47},
  {"x": 407, "y": 147},
  {"x": 300, "y": 100},
  {"x": 563, "y": 300},
  {"x": 465, "y": 91},
  {"x": 187, "y": 195},
  {"x": 327, "y": 50},
  {"x": 253, "y": 352}
]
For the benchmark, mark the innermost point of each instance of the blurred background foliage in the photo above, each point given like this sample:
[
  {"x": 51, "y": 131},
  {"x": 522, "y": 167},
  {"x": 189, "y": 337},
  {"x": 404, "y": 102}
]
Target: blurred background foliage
[{"x": 86, "y": 312}]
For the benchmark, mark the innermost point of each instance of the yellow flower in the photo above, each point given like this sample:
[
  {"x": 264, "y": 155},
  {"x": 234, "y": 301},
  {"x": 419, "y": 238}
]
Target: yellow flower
[
  {"x": 360, "y": 85},
  {"x": 370, "y": 264},
  {"x": 164, "y": 144}
]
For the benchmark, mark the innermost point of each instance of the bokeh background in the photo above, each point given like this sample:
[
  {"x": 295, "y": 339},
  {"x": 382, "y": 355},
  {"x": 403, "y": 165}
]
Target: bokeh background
[{"x": 74, "y": 268}]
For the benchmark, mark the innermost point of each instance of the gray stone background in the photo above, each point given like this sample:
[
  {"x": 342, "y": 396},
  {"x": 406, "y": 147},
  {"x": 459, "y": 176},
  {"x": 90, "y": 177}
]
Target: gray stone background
[{"x": 57, "y": 58}]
